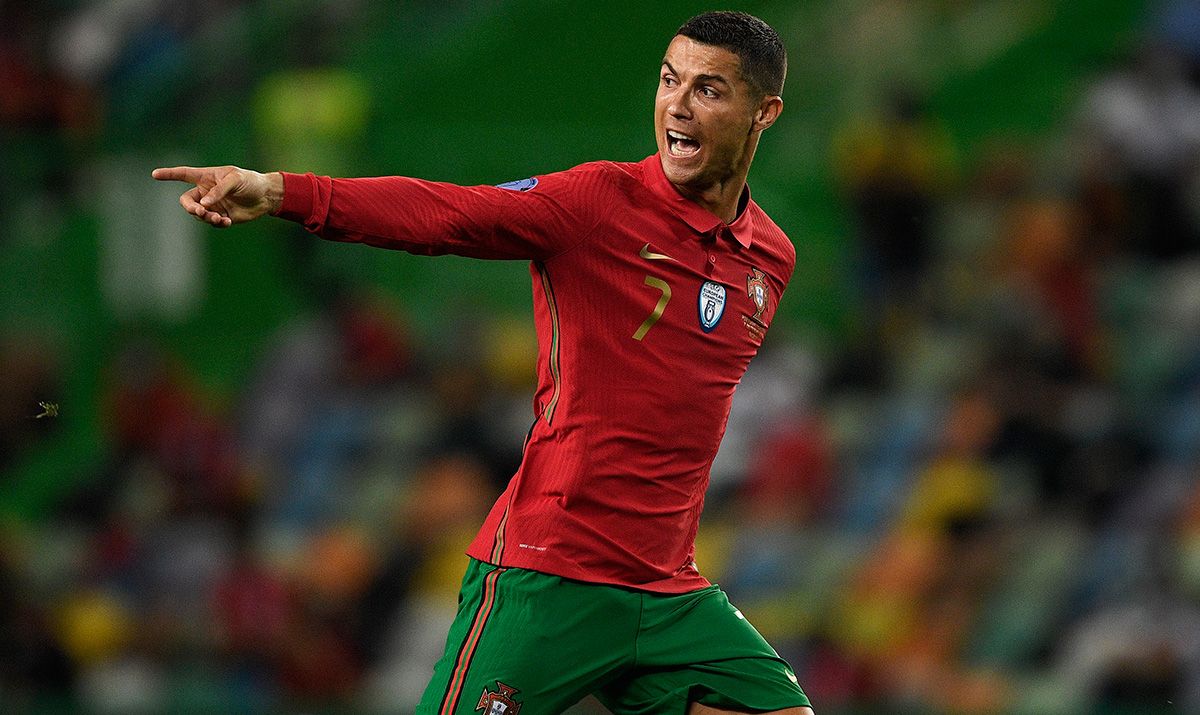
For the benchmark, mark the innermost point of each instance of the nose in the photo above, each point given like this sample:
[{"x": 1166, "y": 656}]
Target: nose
[{"x": 679, "y": 106}]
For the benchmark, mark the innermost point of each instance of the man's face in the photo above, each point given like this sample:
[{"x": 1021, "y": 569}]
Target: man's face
[{"x": 704, "y": 114}]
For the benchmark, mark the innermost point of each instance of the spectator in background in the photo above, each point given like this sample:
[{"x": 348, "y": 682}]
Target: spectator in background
[
  {"x": 1143, "y": 124},
  {"x": 1052, "y": 271},
  {"x": 158, "y": 414},
  {"x": 1177, "y": 24},
  {"x": 34, "y": 669},
  {"x": 894, "y": 169},
  {"x": 33, "y": 93}
]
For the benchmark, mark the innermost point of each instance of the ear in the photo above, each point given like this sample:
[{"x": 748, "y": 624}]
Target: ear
[{"x": 768, "y": 111}]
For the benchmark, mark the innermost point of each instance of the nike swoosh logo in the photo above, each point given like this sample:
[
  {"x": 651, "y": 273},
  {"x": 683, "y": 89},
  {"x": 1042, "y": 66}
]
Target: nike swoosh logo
[{"x": 650, "y": 255}]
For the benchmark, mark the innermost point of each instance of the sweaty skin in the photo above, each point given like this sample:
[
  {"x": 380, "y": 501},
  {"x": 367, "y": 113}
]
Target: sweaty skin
[{"x": 701, "y": 94}]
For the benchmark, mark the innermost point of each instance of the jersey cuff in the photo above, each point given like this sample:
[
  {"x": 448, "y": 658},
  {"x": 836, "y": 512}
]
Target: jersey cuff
[{"x": 299, "y": 192}]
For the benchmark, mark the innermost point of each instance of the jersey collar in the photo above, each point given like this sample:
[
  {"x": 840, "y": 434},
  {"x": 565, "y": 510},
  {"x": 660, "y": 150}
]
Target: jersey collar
[{"x": 693, "y": 213}]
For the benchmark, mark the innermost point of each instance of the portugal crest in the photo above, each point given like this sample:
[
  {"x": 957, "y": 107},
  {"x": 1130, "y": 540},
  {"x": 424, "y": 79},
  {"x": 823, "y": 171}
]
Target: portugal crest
[
  {"x": 760, "y": 295},
  {"x": 499, "y": 702},
  {"x": 756, "y": 288}
]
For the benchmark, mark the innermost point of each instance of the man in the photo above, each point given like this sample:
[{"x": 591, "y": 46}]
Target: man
[{"x": 654, "y": 284}]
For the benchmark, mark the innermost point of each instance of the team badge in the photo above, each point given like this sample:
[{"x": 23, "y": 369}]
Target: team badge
[
  {"x": 520, "y": 184},
  {"x": 499, "y": 702},
  {"x": 711, "y": 305},
  {"x": 760, "y": 294}
]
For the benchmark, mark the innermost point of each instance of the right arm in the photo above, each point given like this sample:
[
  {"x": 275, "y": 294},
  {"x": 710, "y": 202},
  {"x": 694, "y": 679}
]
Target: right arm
[{"x": 414, "y": 215}]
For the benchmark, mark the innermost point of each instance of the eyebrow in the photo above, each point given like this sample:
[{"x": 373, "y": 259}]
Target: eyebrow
[{"x": 701, "y": 77}]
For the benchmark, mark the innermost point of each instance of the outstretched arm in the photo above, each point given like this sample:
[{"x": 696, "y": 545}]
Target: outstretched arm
[
  {"x": 544, "y": 217},
  {"x": 225, "y": 195}
]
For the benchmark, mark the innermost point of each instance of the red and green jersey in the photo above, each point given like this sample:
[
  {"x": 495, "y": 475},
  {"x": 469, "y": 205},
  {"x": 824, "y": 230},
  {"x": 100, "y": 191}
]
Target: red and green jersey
[{"x": 648, "y": 310}]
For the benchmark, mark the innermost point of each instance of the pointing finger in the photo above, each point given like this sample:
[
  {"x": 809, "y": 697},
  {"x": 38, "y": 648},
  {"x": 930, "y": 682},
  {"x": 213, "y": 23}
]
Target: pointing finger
[{"x": 178, "y": 173}]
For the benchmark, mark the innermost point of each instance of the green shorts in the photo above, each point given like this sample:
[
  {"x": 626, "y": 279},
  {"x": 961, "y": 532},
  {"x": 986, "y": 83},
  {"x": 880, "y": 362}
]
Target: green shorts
[{"x": 539, "y": 643}]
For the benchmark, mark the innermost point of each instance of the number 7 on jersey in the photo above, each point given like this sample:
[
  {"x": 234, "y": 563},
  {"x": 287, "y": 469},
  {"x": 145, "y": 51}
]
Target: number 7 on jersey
[{"x": 659, "y": 307}]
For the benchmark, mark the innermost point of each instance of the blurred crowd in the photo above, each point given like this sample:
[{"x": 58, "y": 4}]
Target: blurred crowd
[
  {"x": 275, "y": 552},
  {"x": 1017, "y": 432},
  {"x": 985, "y": 500}
]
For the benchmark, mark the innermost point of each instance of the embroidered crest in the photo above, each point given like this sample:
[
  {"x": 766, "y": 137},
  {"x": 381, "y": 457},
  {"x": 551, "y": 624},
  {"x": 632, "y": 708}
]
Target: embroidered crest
[
  {"x": 499, "y": 702},
  {"x": 756, "y": 288},
  {"x": 711, "y": 305},
  {"x": 760, "y": 295},
  {"x": 520, "y": 184}
]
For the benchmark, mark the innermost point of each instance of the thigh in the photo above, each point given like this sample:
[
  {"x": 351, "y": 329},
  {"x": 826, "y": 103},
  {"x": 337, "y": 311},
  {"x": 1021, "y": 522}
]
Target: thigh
[
  {"x": 529, "y": 642},
  {"x": 698, "y": 648},
  {"x": 698, "y": 709}
]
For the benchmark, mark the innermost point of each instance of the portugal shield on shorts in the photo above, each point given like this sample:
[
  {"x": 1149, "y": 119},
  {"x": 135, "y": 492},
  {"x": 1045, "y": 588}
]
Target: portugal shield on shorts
[{"x": 499, "y": 702}]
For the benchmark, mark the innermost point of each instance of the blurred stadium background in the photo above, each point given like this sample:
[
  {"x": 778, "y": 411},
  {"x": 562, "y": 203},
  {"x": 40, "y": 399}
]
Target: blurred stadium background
[{"x": 961, "y": 477}]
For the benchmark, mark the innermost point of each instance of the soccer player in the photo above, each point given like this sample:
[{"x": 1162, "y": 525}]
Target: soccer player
[{"x": 654, "y": 284}]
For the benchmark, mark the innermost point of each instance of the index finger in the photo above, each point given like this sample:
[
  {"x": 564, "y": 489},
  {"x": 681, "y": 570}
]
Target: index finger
[{"x": 189, "y": 174}]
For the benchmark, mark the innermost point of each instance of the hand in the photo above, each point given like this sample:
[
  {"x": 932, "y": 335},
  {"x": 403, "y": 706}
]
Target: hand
[{"x": 225, "y": 195}]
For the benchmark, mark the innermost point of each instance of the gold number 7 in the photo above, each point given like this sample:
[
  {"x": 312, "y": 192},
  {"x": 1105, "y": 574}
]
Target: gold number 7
[{"x": 658, "y": 308}]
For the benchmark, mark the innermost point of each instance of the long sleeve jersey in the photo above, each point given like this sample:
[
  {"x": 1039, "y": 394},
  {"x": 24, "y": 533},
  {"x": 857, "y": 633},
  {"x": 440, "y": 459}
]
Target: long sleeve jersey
[{"x": 648, "y": 310}]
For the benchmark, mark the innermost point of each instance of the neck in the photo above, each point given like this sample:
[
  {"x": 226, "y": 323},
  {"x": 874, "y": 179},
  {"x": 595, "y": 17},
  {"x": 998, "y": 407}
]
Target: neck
[{"x": 721, "y": 197}]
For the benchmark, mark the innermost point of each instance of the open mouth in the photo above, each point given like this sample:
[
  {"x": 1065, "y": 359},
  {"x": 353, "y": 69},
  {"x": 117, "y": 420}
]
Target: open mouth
[{"x": 681, "y": 145}]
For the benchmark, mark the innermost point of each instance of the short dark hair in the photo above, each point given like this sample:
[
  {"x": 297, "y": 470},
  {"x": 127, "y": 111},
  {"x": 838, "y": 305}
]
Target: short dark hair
[{"x": 757, "y": 45}]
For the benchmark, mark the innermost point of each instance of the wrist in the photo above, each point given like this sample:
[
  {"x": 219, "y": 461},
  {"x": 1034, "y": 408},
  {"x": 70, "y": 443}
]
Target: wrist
[{"x": 274, "y": 192}]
